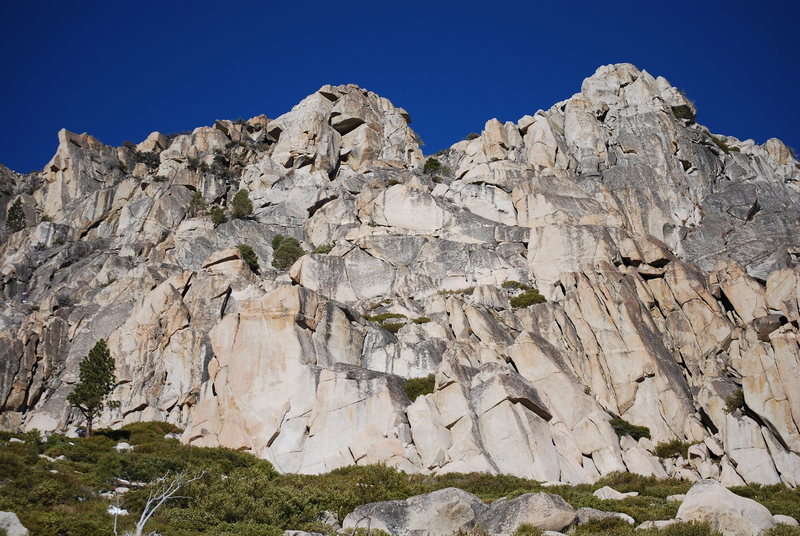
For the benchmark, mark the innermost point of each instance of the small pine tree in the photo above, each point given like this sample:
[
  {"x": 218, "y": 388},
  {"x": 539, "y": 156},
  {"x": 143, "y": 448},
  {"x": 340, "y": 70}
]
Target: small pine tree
[
  {"x": 15, "y": 219},
  {"x": 95, "y": 384},
  {"x": 217, "y": 216},
  {"x": 241, "y": 205},
  {"x": 197, "y": 205}
]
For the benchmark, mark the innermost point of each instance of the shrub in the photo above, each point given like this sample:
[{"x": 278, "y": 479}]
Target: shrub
[
  {"x": 217, "y": 216},
  {"x": 249, "y": 256},
  {"x": 735, "y": 400},
  {"x": 515, "y": 285},
  {"x": 95, "y": 384},
  {"x": 526, "y": 529},
  {"x": 392, "y": 327},
  {"x": 623, "y": 428},
  {"x": 322, "y": 249},
  {"x": 468, "y": 291},
  {"x": 392, "y": 182},
  {"x": 432, "y": 166},
  {"x": 383, "y": 317},
  {"x": 149, "y": 159},
  {"x": 421, "y": 320},
  {"x": 197, "y": 205},
  {"x": 669, "y": 449},
  {"x": 15, "y": 218},
  {"x": 287, "y": 251},
  {"x": 241, "y": 205},
  {"x": 684, "y": 111},
  {"x": 527, "y": 298},
  {"x": 473, "y": 136},
  {"x": 416, "y": 387},
  {"x": 783, "y": 530}
]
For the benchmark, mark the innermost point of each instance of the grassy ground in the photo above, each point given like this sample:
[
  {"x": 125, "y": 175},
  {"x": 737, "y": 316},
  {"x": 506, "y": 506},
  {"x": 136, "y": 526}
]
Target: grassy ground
[{"x": 244, "y": 496}]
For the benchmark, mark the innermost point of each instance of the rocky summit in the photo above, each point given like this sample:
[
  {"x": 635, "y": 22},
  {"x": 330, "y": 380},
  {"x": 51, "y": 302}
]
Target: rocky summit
[{"x": 602, "y": 286}]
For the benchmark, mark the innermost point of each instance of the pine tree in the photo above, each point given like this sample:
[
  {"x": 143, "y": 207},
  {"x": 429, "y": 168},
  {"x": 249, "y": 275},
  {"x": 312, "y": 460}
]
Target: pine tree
[
  {"x": 96, "y": 383},
  {"x": 15, "y": 219}
]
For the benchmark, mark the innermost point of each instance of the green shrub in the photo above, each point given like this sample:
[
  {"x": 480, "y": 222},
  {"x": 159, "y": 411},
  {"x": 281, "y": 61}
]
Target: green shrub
[
  {"x": 322, "y": 249},
  {"x": 527, "y": 298},
  {"x": 432, "y": 166},
  {"x": 416, "y": 387},
  {"x": 392, "y": 327},
  {"x": 392, "y": 182},
  {"x": 526, "y": 529},
  {"x": 249, "y": 256},
  {"x": 383, "y": 317},
  {"x": 684, "y": 111},
  {"x": 287, "y": 251},
  {"x": 421, "y": 320},
  {"x": 217, "y": 216},
  {"x": 673, "y": 448},
  {"x": 197, "y": 205},
  {"x": 473, "y": 136},
  {"x": 623, "y": 428},
  {"x": 783, "y": 530},
  {"x": 241, "y": 206},
  {"x": 735, "y": 400},
  {"x": 468, "y": 291},
  {"x": 727, "y": 149},
  {"x": 515, "y": 285}
]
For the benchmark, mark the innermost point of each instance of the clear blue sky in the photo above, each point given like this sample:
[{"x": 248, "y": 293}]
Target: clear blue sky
[{"x": 120, "y": 70}]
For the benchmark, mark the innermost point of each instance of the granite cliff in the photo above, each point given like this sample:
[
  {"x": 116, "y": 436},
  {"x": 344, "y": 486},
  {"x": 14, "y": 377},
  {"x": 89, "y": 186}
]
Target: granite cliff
[{"x": 668, "y": 257}]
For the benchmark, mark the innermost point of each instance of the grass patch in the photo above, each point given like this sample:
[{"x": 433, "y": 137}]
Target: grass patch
[
  {"x": 735, "y": 401},
  {"x": 468, "y": 291},
  {"x": 527, "y": 298},
  {"x": 421, "y": 320}
]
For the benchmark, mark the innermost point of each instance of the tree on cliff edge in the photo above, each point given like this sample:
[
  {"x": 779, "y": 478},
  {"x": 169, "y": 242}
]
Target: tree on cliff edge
[
  {"x": 96, "y": 383},
  {"x": 15, "y": 219}
]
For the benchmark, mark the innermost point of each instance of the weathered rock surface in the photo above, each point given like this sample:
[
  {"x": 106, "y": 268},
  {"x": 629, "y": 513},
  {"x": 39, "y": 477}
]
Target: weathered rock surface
[
  {"x": 440, "y": 513},
  {"x": 708, "y": 501},
  {"x": 668, "y": 256},
  {"x": 10, "y": 523}
]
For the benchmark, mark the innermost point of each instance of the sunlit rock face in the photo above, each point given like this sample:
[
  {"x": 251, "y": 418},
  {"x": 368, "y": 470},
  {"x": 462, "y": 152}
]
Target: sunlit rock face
[{"x": 667, "y": 257}]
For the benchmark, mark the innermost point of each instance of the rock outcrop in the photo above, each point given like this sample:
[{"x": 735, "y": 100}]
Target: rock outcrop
[
  {"x": 668, "y": 257},
  {"x": 709, "y": 502}
]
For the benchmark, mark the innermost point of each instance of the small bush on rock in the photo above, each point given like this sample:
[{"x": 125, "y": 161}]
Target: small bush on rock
[
  {"x": 527, "y": 298},
  {"x": 241, "y": 205},
  {"x": 432, "y": 166},
  {"x": 217, "y": 216},
  {"x": 15, "y": 219},
  {"x": 735, "y": 401},
  {"x": 197, "y": 205},
  {"x": 623, "y": 428},
  {"x": 420, "y": 386},
  {"x": 287, "y": 251},
  {"x": 669, "y": 449}
]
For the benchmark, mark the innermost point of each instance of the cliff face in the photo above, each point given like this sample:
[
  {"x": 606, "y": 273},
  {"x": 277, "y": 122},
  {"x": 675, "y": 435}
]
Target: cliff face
[{"x": 668, "y": 257}]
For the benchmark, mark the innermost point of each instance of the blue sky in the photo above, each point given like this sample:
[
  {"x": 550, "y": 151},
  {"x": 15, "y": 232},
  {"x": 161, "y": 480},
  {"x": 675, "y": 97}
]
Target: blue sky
[{"x": 120, "y": 70}]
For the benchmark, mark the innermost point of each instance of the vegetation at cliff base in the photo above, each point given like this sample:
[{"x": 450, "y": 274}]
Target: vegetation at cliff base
[
  {"x": 55, "y": 488},
  {"x": 249, "y": 256},
  {"x": 623, "y": 428},
  {"x": 95, "y": 384}
]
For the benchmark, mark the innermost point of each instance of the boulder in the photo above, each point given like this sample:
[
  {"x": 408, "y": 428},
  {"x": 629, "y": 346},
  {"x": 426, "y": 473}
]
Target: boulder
[
  {"x": 708, "y": 501},
  {"x": 608, "y": 493},
  {"x": 10, "y": 523},
  {"x": 542, "y": 510},
  {"x": 440, "y": 513},
  {"x": 590, "y": 514}
]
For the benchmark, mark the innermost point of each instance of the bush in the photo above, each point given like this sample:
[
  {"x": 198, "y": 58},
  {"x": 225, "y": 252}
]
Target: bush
[
  {"x": 421, "y": 320},
  {"x": 673, "y": 448},
  {"x": 473, "y": 136},
  {"x": 735, "y": 401},
  {"x": 217, "y": 216},
  {"x": 383, "y": 317},
  {"x": 432, "y": 166},
  {"x": 287, "y": 251},
  {"x": 197, "y": 205},
  {"x": 623, "y": 428},
  {"x": 683, "y": 111},
  {"x": 249, "y": 256},
  {"x": 241, "y": 205},
  {"x": 526, "y": 529},
  {"x": 322, "y": 249},
  {"x": 416, "y": 387},
  {"x": 527, "y": 298}
]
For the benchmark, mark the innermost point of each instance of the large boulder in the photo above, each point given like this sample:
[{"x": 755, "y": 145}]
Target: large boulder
[
  {"x": 710, "y": 502},
  {"x": 440, "y": 513},
  {"x": 9, "y": 522},
  {"x": 542, "y": 510}
]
